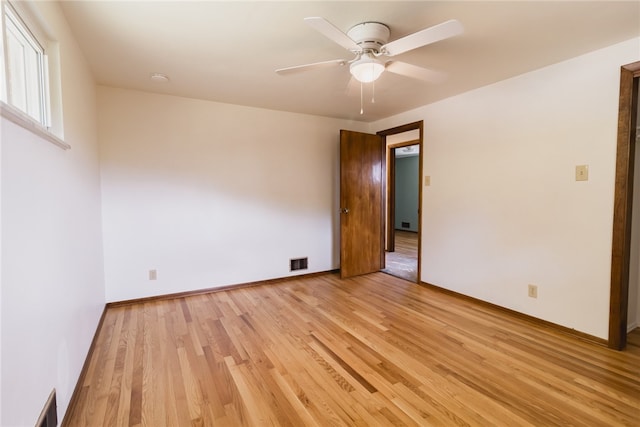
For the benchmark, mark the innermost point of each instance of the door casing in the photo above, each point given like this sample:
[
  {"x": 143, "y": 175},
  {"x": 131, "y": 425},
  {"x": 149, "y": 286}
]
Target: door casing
[{"x": 623, "y": 204}]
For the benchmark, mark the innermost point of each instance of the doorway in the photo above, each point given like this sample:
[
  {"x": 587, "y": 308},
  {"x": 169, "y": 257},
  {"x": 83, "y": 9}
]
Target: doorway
[
  {"x": 633, "y": 303},
  {"x": 365, "y": 214},
  {"x": 403, "y": 179},
  {"x": 619, "y": 302},
  {"x": 403, "y": 221}
]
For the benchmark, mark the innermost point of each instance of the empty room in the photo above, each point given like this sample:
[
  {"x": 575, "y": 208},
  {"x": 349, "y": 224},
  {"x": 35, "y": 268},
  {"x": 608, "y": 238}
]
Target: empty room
[{"x": 319, "y": 213}]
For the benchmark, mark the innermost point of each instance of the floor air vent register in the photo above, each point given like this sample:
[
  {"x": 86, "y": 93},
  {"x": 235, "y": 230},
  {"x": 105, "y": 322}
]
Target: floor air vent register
[{"x": 298, "y": 264}]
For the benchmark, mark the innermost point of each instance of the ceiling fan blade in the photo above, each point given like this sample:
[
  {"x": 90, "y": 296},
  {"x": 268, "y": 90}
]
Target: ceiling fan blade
[
  {"x": 330, "y": 31},
  {"x": 306, "y": 67},
  {"x": 424, "y": 37},
  {"x": 416, "y": 72}
]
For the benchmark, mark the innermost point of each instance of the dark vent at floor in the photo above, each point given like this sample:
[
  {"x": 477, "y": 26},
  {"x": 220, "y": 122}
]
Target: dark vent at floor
[
  {"x": 49, "y": 415},
  {"x": 406, "y": 225},
  {"x": 298, "y": 264}
]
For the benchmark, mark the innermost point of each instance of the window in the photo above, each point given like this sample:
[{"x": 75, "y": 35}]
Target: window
[
  {"x": 24, "y": 72},
  {"x": 25, "y": 77}
]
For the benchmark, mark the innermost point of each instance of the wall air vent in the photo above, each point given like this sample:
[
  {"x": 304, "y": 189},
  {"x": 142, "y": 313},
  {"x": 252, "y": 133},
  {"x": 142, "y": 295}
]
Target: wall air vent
[{"x": 298, "y": 264}]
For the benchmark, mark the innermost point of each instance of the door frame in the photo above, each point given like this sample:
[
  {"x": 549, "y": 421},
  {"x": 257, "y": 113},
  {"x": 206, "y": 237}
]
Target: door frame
[
  {"x": 419, "y": 125},
  {"x": 623, "y": 205}
]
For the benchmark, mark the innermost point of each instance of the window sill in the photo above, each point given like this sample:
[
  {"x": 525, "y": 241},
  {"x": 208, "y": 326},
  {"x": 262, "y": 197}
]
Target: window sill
[{"x": 23, "y": 120}]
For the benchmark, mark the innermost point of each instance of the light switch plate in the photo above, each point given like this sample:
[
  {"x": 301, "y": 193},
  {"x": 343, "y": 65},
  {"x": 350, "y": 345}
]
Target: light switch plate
[
  {"x": 427, "y": 181},
  {"x": 582, "y": 173}
]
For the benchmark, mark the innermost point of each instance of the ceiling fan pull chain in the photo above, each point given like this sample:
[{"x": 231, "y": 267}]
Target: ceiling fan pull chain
[
  {"x": 361, "y": 102},
  {"x": 373, "y": 92}
]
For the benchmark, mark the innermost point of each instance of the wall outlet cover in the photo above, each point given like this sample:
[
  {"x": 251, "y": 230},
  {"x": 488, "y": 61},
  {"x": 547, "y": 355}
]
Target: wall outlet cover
[{"x": 582, "y": 173}]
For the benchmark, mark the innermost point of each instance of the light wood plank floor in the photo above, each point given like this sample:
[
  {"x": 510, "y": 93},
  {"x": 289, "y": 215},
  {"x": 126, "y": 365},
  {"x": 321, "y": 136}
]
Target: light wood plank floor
[
  {"x": 371, "y": 351},
  {"x": 403, "y": 262}
]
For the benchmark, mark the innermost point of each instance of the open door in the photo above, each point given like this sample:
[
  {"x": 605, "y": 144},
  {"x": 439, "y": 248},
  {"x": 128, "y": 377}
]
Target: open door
[{"x": 362, "y": 158}]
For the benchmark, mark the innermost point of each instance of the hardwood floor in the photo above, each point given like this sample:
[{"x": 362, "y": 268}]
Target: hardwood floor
[
  {"x": 403, "y": 262},
  {"x": 370, "y": 351}
]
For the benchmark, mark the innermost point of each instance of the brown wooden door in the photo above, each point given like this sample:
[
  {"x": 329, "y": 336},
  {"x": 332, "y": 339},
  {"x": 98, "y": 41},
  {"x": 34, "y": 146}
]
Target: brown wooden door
[{"x": 362, "y": 163}]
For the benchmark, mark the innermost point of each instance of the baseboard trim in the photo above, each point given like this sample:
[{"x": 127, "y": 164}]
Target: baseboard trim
[
  {"x": 75, "y": 397},
  {"x": 530, "y": 319},
  {"x": 218, "y": 289}
]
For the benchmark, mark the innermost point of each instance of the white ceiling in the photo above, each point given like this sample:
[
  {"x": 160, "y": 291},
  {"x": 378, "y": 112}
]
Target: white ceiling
[{"x": 227, "y": 51}]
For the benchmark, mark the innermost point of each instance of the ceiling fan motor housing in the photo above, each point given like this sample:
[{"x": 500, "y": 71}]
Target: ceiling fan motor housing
[{"x": 369, "y": 35}]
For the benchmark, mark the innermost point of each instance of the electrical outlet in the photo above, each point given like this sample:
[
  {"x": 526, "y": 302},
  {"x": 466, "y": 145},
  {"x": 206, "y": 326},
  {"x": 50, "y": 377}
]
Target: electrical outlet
[
  {"x": 153, "y": 274},
  {"x": 533, "y": 291}
]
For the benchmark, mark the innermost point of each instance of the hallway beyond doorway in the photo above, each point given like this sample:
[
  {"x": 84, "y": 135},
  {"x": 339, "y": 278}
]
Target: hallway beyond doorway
[{"x": 403, "y": 262}]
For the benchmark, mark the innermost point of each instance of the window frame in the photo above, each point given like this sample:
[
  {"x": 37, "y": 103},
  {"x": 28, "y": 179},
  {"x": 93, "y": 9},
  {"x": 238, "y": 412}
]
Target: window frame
[{"x": 38, "y": 41}]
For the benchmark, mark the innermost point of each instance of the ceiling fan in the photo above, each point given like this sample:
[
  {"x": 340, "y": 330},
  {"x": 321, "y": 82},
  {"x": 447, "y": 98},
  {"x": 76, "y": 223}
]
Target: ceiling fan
[{"x": 370, "y": 40}]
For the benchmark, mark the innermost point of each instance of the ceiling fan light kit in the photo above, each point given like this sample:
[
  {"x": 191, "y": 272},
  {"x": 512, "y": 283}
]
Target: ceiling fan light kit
[
  {"x": 367, "y": 68},
  {"x": 369, "y": 37}
]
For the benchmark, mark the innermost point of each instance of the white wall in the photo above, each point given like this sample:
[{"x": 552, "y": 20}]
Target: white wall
[
  {"x": 211, "y": 194},
  {"x": 503, "y": 209},
  {"x": 51, "y": 260}
]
